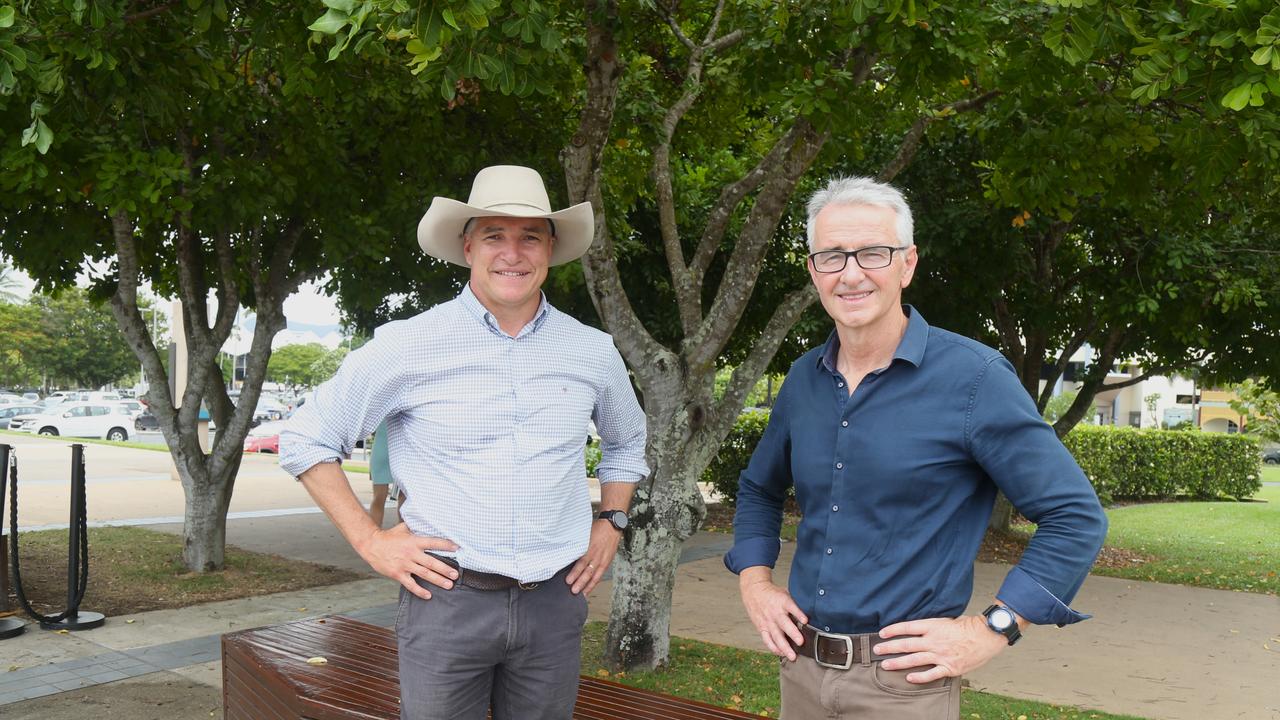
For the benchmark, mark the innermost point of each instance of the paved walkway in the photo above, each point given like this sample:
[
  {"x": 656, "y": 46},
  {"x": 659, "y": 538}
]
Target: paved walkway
[{"x": 1155, "y": 651}]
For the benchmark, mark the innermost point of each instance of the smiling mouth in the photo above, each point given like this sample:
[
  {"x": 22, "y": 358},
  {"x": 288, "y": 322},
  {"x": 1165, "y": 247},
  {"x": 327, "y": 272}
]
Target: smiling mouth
[
  {"x": 854, "y": 297},
  {"x": 510, "y": 273}
]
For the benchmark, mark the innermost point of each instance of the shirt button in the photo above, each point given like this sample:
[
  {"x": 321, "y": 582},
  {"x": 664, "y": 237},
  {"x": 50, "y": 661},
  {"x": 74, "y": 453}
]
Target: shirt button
[
  {"x": 829, "y": 551},
  {"x": 839, "y": 384},
  {"x": 821, "y": 591},
  {"x": 826, "y": 628},
  {"x": 835, "y": 508},
  {"x": 844, "y": 424},
  {"x": 839, "y": 466}
]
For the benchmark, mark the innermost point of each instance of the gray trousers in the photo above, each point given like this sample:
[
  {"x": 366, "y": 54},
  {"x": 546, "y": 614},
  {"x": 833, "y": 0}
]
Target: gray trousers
[{"x": 465, "y": 651}]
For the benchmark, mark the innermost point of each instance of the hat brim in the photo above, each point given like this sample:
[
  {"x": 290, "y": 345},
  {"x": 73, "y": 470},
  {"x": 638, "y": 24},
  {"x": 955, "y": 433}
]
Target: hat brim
[{"x": 440, "y": 230}]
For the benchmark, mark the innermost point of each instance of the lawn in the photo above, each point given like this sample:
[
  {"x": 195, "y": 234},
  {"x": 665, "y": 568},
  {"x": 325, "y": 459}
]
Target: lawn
[
  {"x": 1221, "y": 545},
  {"x": 747, "y": 680}
]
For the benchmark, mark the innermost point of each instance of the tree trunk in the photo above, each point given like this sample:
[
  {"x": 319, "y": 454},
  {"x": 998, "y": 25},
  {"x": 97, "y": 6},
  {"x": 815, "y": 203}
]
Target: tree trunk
[{"x": 644, "y": 572}]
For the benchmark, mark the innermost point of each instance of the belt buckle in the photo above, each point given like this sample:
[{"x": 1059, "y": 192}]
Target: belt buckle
[
  {"x": 848, "y": 650},
  {"x": 528, "y": 586}
]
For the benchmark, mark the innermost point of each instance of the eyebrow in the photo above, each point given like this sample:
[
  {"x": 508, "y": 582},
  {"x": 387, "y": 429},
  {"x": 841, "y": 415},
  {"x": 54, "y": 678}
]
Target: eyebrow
[{"x": 527, "y": 228}]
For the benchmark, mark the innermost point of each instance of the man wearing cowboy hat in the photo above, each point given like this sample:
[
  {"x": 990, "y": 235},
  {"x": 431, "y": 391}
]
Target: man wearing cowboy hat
[{"x": 486, "y": 399}]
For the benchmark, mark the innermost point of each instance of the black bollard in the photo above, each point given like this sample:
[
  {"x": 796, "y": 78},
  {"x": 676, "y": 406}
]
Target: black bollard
[
  {"x": 77, "y": 565},
  {"x": 9, "y": 626}
]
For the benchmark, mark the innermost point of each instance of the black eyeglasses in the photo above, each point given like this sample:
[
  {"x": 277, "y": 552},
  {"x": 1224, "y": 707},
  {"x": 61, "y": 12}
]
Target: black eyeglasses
[{"x": 868, "y": 258}]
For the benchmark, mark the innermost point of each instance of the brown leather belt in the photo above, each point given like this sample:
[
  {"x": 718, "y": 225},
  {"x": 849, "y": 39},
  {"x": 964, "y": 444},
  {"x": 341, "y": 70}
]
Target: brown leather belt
[
  {"x": 834, "y": 650},
  {"x": 477, "y": 580}
]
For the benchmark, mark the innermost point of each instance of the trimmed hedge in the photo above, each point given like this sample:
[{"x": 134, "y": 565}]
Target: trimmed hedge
[
  {"x": 1122, "y": 463},
  {"x": 1133, "y": 464}
]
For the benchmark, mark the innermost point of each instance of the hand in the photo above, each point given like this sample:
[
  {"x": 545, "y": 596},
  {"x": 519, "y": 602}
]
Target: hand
[
  {"x": 773, "y": 612},
  {"x": 952, "y": 646},
  {"x": 401, "y": 555},
  {"x": 587, "y": 571}
]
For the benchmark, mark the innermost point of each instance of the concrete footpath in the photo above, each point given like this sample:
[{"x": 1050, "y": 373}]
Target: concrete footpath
[{"x": 1154, "y": 651}]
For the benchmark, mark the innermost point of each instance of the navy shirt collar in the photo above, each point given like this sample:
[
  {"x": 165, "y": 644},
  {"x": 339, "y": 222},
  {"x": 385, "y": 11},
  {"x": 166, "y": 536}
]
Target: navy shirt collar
[{"x": 910, "y": 347}]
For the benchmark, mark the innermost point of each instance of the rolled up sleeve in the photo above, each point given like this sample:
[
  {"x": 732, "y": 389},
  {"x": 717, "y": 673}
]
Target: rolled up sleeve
[
  {"x": 1023, "y": 456},
  {"x": 346, "y": 408},
  {"x": 621, "y": 424},
  {"x": 762, "y": 490}
]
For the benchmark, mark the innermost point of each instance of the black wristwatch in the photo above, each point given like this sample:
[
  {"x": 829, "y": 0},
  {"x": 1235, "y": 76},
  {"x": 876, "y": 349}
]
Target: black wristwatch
[
  {"x": 1002, "y": 620},
  {"x": 617, "y": 518}
]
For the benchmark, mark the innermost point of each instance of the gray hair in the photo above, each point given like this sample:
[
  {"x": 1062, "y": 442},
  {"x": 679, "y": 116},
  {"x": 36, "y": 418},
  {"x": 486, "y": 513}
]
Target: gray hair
[{"x": 862, "y": 191}]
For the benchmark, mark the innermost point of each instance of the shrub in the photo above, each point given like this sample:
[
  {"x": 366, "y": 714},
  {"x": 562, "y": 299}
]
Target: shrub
[
  {"x": 593, "y": 458},
  {"x": 1128, "y": 463},
  {"x": 732, "y": 458}
]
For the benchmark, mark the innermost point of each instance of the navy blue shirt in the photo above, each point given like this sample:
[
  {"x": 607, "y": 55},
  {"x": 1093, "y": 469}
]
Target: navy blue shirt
[{"x": 896, "y": 484}]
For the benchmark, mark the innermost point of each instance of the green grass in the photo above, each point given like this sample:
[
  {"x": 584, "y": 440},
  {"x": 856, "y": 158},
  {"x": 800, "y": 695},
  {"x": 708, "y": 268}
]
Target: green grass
[
  {"x": 747, "y": 680},
  {"x": 1220, "y": 545},
  {"x": 90, "y": 441}
]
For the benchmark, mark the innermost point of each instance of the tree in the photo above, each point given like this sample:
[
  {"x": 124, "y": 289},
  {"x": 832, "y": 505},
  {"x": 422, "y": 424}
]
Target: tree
[
  {"x": 210, "y": 152},
  {"x": 696, "y": 125},
  {"x": 1260, "y": 405},
  {"x": 20, "y": 352},
  {"x": 85, "y": 348},
  {"x": 8, "y": 285},
  {"x": 293, "y": 365},
  {"x": 326, "y": 366}
]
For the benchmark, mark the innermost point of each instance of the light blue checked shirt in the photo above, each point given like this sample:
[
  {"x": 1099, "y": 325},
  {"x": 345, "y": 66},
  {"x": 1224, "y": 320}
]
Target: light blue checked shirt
[{"x": 486, "y": 431}]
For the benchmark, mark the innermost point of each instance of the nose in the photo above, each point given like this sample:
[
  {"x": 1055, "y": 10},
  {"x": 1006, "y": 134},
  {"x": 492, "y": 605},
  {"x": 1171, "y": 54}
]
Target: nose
[{"x": 852, "y": 273}]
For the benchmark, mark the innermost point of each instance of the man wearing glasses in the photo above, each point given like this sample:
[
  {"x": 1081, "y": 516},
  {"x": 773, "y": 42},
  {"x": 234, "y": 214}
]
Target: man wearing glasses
[{"x": 896, "y": 437}]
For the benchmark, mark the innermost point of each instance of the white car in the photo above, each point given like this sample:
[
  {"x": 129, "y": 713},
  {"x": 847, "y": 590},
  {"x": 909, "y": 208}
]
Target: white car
[{"x": 97, "y": 420}]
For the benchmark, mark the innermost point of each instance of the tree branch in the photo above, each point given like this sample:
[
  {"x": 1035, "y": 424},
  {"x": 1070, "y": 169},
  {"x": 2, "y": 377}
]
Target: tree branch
[{"x": 910, "y": 144}]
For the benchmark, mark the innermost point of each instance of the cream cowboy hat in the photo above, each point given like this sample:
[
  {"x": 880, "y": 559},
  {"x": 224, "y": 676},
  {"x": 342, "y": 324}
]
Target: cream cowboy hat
[{"x": 505, "y": 191}]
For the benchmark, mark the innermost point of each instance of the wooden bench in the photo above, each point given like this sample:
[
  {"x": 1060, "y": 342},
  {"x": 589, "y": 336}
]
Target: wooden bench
[{"x": 265, "y": 676}]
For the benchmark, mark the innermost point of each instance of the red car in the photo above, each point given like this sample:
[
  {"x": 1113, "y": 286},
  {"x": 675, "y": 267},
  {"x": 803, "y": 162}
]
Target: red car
[{"x": 264, "y": 439}]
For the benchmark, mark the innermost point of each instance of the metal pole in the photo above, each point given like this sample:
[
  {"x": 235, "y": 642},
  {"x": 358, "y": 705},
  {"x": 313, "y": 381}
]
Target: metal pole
[
  {"x": 9, "y": 626},
  {"x": 75, "y": 619}
]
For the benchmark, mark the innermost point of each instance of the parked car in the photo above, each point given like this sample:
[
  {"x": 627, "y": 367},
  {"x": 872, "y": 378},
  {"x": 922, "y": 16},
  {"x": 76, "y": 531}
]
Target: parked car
[
  {"x": 98, "y": 420},
  {"x": 134, "y": 407},
  {"x": 264, "y": 438},
  {"x": 146, "y": 422},
  {"x": 1271, "y": 457},
  {"x": 11, "y": 411}
]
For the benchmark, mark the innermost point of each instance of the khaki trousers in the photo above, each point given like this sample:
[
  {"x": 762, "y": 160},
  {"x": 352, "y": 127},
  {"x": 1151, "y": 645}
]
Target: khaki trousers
[{"x": 865, "y": 691}]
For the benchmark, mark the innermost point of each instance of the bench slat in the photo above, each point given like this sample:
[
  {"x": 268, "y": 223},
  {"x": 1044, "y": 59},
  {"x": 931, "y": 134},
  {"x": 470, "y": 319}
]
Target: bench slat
[{"x": 266, "y": 677}]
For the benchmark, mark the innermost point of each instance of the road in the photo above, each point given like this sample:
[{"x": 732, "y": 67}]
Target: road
[{"x": 129, "y": 484}]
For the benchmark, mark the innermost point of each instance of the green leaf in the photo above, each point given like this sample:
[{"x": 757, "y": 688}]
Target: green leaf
[
  {"x": 345, "y": 6},
  {"x": 331, "y": 22},
  {"x": 1263, "y": 55},
  {"x": 1224, "y": 39},
  {"x": 6, "y": 16},
  {"x": 44, "y": 137},
  {"x": 16, "y": 56},
  {"x": 1238, "y": 98},
  {"x": 447, "y": 14}
]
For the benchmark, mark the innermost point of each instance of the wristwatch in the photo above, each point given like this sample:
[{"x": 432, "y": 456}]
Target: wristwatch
[
  {"x": 617, "y": 518},
  {"x": 1002, "y": 620}
]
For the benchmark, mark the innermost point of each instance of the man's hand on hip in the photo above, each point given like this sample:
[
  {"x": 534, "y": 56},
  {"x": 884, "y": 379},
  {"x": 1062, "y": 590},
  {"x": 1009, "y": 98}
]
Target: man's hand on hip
[
  {"x": 771, "y": 609},
  {"x": 953, "y": 646},
  {"x": 587, "y": 571},
  {"x": 401, "y": 555}
]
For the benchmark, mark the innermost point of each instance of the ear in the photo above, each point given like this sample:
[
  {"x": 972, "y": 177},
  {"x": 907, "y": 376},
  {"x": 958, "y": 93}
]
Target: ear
[
  {"x": 909, "y": 259},
  {"x": 466, "y": 248}
]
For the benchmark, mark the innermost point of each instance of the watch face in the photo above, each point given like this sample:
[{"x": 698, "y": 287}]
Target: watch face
[
  {"x": 1000, "y": 619},
  {"x": 619, "y": 520}
]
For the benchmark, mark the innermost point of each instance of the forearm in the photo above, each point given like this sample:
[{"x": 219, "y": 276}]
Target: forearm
[
  {"x": 329, "y": 486},
  {"x": 616, "y": 495}
]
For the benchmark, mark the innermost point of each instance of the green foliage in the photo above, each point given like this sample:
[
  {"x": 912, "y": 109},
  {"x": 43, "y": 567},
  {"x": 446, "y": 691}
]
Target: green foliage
[
  {"x": 20, "y": 349},
  {"x": 734, "y": 454},
  {"x": 80, "y": 343},
  {"x": 1058, "y": 404},
  {"x": 1137, "y": 464},
  {"x": 296, "y": 365},
  {"x": 1260, "y": 404},
  {"x": 592, "y": 458}
]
